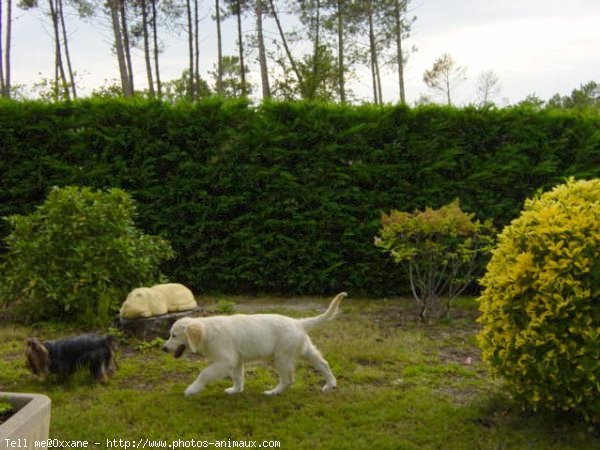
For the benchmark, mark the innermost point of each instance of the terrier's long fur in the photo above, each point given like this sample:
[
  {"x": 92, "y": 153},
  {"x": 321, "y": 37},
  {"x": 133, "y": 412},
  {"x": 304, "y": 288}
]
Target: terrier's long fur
[
  {"x": 230, "y": 341},
  {"x": 65, "y": 356}
]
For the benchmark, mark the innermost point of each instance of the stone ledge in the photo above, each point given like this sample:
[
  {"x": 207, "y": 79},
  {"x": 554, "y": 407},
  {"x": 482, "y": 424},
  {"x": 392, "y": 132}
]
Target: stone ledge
[
  {"x": 29, "y": 424},
  {"x": 149, "y": 328}
]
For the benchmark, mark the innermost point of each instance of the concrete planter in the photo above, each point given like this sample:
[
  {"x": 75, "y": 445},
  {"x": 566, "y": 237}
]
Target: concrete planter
[{"x": 29, "y": 424}]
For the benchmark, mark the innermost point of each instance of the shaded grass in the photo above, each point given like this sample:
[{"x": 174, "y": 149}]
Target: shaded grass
[{"x": 401, "y": 385}]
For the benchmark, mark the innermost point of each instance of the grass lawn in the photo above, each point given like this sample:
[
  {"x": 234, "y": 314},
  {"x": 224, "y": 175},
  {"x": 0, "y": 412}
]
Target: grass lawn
[{"x": 401, "y": 385}]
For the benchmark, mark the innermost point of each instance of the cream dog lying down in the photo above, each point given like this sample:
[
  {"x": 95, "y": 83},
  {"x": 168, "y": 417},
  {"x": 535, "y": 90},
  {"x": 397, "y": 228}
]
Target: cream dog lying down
[
  {"x": 157, "y": 300},
  {"x": 230, "y": 341}
]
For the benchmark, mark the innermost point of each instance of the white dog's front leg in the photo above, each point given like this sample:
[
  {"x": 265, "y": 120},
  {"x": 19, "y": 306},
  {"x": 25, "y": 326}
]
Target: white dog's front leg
[
  {"x": 192, "y": 389},
  {"x": 285, "y": 367},
  {"x": 213, "y": 372},
  {"x": 237, "y": 374}
]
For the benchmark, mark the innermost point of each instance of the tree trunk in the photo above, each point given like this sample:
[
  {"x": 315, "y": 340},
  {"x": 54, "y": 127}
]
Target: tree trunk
[
  {"x": 341, "y": 66},
  {"x": 262, "y": 57},
  {"x": 58, "y": 53},
  {"x": 147, "y": 47},
  {"x": 219, "y": 49},
  {"x": 374, "y": 80},
  {"x": 286, "y": 47},
  {"x": 373, "y": 52},
  {"x": 241, "y": 47},
  {"x": 56, "y": 84},
  {"x": 66, "y": 47},
  {"x": 7, "y": 86},
  {"x": 116, "y": 24},
  {"x": 378, "y": 73},
  {"x": 399, "y": 55},
  {"x": 126, "y": 45},
  {"x": 316, "y": 51},
  {"x": 192, "y": 78},
  {"x": 196, "y": 51},
  {"x": 155, "y": 39},
  {"x": 2, "y": 93}
]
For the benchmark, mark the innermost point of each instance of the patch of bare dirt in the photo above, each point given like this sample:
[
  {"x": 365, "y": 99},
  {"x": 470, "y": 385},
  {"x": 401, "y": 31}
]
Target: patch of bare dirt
[
  {"x": 464, "y": 356},
  {"x": 405, "y": 313}
]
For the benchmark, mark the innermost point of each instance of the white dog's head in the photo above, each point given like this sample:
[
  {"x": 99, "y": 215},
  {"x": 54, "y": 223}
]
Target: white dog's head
[{"x": 186, "y": 333}]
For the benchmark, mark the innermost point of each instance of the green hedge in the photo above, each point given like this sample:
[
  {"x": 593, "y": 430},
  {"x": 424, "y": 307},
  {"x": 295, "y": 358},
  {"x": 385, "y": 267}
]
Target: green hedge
[{"x": 287, "y": 197}]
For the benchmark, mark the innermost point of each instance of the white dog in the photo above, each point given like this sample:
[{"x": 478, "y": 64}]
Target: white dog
[{"x": 230, "y": 341}]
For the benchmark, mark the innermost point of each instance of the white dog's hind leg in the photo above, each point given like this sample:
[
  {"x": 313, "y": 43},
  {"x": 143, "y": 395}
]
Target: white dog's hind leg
[
  {"x": 237, "y": 374},
  {"x": 285, "y": 368},
  {"x": 213, "y": 372},
  {"x": 314, "y": 357}
]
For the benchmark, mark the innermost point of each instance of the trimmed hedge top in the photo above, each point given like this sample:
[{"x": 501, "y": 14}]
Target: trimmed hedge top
[{"x": 286, "y": 197}]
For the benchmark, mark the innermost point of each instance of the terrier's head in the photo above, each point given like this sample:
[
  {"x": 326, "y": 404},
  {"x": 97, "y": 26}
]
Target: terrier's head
[{"x": 37, "y": 357}]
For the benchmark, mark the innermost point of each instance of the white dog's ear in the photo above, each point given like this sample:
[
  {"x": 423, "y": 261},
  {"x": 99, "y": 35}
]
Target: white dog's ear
[{"x": 194, "y": 334}]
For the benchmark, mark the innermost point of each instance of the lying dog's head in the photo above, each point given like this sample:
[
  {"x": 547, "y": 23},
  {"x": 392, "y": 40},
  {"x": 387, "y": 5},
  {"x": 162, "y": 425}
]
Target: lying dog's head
[
  {"x": 185, "y": 334},
  {"x": 37, "y": 357}
]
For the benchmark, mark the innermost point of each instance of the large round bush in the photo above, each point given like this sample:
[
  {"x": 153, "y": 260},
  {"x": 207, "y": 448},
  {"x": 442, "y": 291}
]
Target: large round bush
[
  {"x": 541, "y": 302},
  {"x": 76, "y": 257}
]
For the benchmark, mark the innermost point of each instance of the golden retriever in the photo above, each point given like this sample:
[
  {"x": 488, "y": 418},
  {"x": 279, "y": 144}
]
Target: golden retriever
[{"x": 231, "y": 341}]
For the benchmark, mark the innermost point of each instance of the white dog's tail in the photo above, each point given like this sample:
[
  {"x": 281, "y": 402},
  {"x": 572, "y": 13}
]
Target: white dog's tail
[{"x": 331, "y": 312}]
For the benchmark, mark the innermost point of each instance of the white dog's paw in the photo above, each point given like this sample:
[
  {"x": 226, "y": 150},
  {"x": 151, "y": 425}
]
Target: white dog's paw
[
  {"x": 272, "y": 392},
  {"x": 191, "y": 390},
  {"x": 233, "y": 390}
]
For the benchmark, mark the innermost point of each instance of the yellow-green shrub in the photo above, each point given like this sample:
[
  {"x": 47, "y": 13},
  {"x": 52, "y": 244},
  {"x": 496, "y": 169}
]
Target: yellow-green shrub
[
  {"x": 439, "y": 249},
  {"x": 541, "y": 302}
]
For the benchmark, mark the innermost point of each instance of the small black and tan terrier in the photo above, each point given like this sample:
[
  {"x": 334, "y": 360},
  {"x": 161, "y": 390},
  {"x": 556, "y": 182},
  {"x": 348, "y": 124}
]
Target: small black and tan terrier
[{"x": 63, "y": 357}]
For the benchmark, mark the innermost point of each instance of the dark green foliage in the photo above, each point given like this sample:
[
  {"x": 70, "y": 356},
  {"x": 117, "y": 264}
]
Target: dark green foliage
[
  {"x": 287, "y": 197},
  {"x": 77, "y": 256}
]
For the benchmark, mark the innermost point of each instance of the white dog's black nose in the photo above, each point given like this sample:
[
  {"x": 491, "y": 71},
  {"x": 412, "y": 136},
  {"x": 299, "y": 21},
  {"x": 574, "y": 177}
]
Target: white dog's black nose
[{"x": 165, "y": 349}]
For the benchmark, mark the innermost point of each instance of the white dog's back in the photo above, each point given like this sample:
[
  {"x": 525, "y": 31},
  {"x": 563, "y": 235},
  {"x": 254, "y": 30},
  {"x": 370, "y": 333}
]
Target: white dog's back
[{"x": 250, "y": 337}]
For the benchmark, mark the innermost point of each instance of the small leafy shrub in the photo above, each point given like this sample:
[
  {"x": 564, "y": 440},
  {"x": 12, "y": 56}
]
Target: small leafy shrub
[
  {"x": 225, "y": 307},
  {"x": 6, "y": 411},
  {"x": 155, "y": 343},
  {"x": 439, "y": 249},
  {"x": 77, "y": 256},
  {"x": 116, "y": 333},
  {"x": 541, "y": 302},
  {"x": 5, "y": 408}
]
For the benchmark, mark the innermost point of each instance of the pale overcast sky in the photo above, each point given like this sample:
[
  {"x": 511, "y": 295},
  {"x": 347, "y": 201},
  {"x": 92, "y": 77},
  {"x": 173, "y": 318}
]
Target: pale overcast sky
[{"x": 533, "y": 46}]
